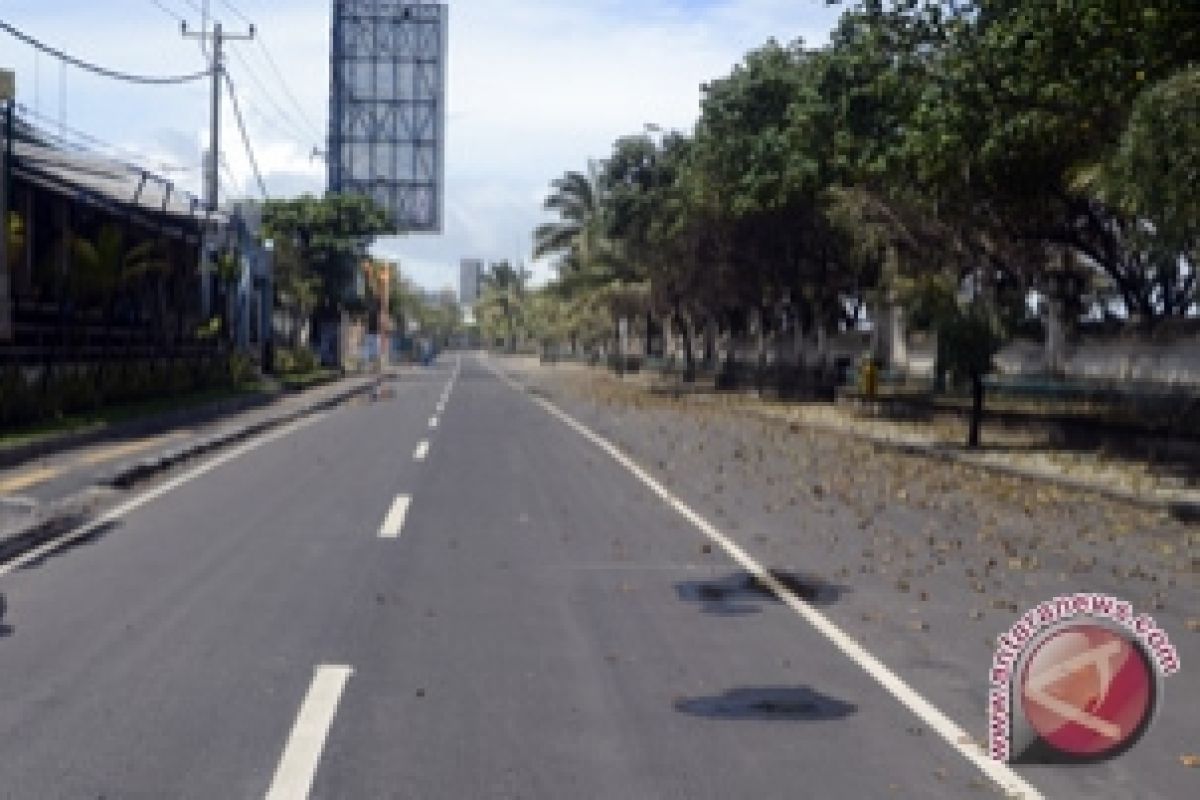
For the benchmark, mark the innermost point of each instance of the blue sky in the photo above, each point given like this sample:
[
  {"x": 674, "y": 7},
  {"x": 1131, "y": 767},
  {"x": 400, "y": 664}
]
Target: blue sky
[{"x": 535, "y": 88}]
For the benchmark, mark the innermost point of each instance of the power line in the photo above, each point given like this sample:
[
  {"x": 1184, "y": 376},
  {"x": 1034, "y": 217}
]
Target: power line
[
  {"x": 128, "y": 158},
  {"x": 286, "y": 90},
  {"x": 241, "y": 123},
  {"x": 295, "y": 130},
  {"x": 236, "y": 11},
  {"x": 107, "y": 73},
  {"x": 306, "y": 125},
  {"x": 88, "y": 144},
  {"x": 159, "y": 5},
  {"x": 231, "y": 181},
  {"x": 195, "y": 7}
]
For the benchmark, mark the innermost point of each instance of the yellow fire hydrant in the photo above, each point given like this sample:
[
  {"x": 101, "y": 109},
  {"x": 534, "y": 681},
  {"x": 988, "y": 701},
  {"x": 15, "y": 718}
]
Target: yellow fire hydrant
[{"x": 869, "y": 378}]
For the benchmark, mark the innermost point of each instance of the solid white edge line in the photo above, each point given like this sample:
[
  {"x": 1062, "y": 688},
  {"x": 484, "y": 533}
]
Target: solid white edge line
[
  {"x": 1000, "y": 773},
  {"x": 421, "y": 451},
  {"x": 298, "y": 764},
  {"x": 118, "y": 511},
  {"x": 394, "y": 520}
]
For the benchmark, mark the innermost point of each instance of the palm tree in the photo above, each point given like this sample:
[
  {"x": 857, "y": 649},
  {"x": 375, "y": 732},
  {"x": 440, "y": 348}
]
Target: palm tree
[
  {"x": 16, "y": 237},
  {"x": 228, "y": 269},
  {"x": 104, "y": 266},
  {"x": 504, "y": 290},
  {"x": 578, "y": 238}
]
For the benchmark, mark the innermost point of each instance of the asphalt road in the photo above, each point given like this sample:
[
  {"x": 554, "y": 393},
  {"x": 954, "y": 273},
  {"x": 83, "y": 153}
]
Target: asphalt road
[{"x": 537, "y": 624}]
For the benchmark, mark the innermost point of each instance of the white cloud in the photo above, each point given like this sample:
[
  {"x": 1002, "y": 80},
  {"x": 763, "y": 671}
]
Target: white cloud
[{"x": 535, "y": 88}]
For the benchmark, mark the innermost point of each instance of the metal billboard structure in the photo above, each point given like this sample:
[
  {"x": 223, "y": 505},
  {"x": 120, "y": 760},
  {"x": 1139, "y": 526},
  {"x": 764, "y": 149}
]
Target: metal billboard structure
[{"x": 387, "y": 108}]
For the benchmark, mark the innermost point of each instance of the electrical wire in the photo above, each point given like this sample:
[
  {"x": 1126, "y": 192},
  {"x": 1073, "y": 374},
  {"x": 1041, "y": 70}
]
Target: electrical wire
[
  {"x": 303, "y": 115},
  {"x": 86, "y": 143},
  {"x": 301, "y": 121},
  {"x": 236, "y": 11},
  {"x": 107, "y": 73},
  {"x": 241, "y": 123},
  {"x": 294, "y": 130},
  {"x": 166, "y": 10},
  {"x": 231, "y": 182}
]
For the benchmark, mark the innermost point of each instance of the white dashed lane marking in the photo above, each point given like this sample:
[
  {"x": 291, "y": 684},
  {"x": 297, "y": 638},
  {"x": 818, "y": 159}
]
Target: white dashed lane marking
[
  {"x": 298, "y": 766},
  {"x": 394, "y": 521}
]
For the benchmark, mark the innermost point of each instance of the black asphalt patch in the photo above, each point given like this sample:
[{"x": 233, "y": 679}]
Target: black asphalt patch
[{"x": 787, "y": 703}]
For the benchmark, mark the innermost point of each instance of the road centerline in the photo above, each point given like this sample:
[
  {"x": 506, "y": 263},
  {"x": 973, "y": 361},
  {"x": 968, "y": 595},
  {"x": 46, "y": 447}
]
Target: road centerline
[
  {"x": 394, "y": 521},
  {"x": 298, "y": 765},
  {"x": 422, "y": 450}
]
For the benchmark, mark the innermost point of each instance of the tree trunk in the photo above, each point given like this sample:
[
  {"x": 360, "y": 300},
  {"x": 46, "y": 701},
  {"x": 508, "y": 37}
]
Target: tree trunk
[
  {"x": 710, "y": 342},
  {"x": 618, "y": 349},
  {"x": 976, "y": 410},
  {"x": 689, "y": 358}
]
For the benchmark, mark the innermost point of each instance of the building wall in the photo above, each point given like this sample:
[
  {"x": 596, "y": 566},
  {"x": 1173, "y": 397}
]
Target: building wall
[{"x": 1173, "y": 362}]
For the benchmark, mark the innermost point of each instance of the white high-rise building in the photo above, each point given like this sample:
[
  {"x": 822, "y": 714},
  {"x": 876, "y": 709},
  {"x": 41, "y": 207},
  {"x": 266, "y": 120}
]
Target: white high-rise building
[{"x": 470, "y": 274}]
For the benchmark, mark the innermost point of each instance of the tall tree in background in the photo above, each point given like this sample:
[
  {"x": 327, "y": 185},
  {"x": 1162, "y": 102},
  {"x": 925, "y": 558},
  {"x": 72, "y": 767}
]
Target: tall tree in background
[
  {"x": 331, "y": 236},
  {"x": 504, "y": 290},
  {"x": 1031, "y": 95},
  {"x": 577, "y": 242}
]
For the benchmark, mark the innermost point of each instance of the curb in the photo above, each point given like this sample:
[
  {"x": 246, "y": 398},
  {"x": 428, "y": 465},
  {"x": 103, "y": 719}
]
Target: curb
[
  {"x": 72, "y": 511},
  {"x": 125, "y": 475},
  {"x": 14, "y": 456}
]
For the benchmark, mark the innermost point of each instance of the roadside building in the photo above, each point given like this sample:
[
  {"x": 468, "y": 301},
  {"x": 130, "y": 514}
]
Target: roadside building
[{"x": 117, "y": 284}]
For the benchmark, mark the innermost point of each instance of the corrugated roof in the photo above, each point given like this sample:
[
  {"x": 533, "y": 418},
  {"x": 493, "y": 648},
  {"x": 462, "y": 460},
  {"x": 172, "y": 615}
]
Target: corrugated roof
[{"x": 109, "y": 182}]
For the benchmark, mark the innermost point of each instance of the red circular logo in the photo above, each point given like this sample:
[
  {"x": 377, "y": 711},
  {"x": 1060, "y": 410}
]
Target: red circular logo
[{"x": 1088, "y": 690}]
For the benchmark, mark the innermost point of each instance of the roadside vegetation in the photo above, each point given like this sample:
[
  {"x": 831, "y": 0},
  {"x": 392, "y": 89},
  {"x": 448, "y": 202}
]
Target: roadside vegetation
[{"x": 969, "y": 162}]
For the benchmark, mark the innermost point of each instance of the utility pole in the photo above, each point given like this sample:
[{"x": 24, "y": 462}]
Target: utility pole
[
  {"x": 218, "y": 37},
  {"x": 8, "y": 96}
]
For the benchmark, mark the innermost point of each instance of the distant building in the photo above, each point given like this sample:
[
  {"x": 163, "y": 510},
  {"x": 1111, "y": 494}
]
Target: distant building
[
  {"x": 470, "y": 275},
  {"x": 439, "y": 298}
]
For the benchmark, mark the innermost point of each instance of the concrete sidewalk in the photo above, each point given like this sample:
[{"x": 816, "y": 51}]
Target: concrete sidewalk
[{"x": 25, "y": 520}]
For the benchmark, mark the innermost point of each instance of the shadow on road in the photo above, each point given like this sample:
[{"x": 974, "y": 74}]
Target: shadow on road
[
  {"x": 787, "y": 703},
  {"x": 94, "y": 534},
  {"x": 742, "y": 593}
]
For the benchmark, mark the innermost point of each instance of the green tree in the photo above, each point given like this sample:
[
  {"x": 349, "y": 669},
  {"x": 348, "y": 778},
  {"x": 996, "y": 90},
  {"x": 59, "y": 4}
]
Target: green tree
[
  {"x": 1028, "y": 97},
  {"x": 503, "y": 297},
  {"x": 297, "y": 288},
  {"x": 576, "y": 240},
  {"x": 332, "y": 237},
  {"x": 1154, "y": 178},
  {"x": 105, "y": 266},
  {"x": 969, "y": 334}
]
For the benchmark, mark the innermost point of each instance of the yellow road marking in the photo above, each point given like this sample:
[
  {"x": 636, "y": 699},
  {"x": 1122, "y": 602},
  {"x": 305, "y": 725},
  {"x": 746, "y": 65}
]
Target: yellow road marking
[
  {"x": 23, "y": 480},
  {"x": 117, "y": 451},
  {"x": 26, "y": 479}
]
